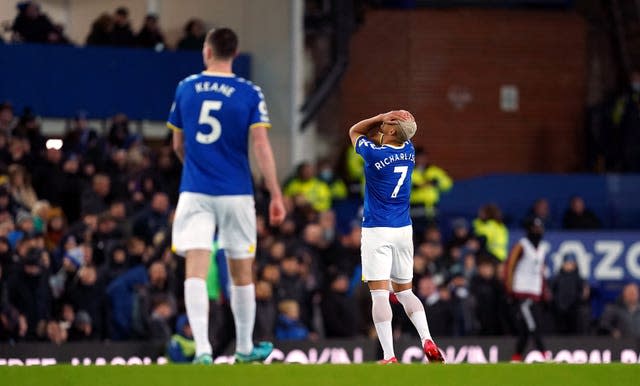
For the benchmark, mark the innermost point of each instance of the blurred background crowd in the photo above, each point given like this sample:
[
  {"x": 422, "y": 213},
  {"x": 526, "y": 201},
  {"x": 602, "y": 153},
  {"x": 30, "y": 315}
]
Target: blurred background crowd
[{"x": 85, "y": 250}]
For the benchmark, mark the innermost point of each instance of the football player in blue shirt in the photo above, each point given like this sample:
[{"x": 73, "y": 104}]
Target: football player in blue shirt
[
  {"x": 384, "y": 142},
  {"x": 212, "y": 117}
]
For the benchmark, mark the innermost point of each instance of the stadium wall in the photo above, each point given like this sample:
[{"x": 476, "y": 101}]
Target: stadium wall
[
  {"x": 449, "y": 66},
  {"x": 576, "y": 350}
]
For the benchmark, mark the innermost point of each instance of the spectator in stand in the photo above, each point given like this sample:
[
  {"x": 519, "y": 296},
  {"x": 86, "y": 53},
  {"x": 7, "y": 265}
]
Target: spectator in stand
[
  {"x": 20, "y": 187},
  {"x": 29, "y": 292},
  {"x": 72, "y": 184},
  {"x": 13, "y": 325},
  {"x": 307, "y": 185},
  {"x": 32, "y": 26},
  {"x": 489, "y": 298},
  {"x": 624, "y": 144},
  {"x": 622, "y": 319},
  {"x": 86, "y": 294},
  {"x": 524, "y": 282},
  {"x": 19, "y": 151},
  {"x": 81, "y": 139},
  {"x": 40, "y": 213},
  {"x": 194, "y": 33},
  {"x": 95, "y": 199},
  {"x": 117, "y": 263},
  {"x": 153, "y": 219},
  {"x": 156, "y": 305},
  {"x": 82, "y": 328},
  {"x": 101, "y": 31},
  {"x": 266, "y": 312},
  {"x": 48, "y": 177},
  {"x": 490, "y": 228},
  {"x": 460, "y": 234},
  {"x": 168, "y": 172},
  {"x": 55, "y": 229},
  {"x": 7, "y": 119},
  {"x": 7, "y": 204},
  {"x": 437, "y": 305},
  {"x": 289, "y": 326},
  {"x": 150, "y": 36},
  {"x": 121, "y": 296},
  {"x": 119, "y": 133},
  {"x": 337, "y": 187},
  {"x": 428, "y": 182},
  {"x": 339, "y": 310},
  {"x": 461, "y": 302},
  {"x": 541, "y": 210},
  {"x": 55, "y": 332},
  {"x": 579, "y": 217},
  {"x": 290, "y": 284},
  {"x": 121, "y": 34},
  {"x": 106, "y": 236},
  {"x": 569, "y": 292},
  {"x": 29, "y": 130}
]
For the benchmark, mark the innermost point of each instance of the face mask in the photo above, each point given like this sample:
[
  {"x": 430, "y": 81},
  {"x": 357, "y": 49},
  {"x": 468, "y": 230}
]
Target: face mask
[
  {"x": 535, "y": 238},
  {"x": 326, "y": 174},
  {"x": 635, "y": 86}
]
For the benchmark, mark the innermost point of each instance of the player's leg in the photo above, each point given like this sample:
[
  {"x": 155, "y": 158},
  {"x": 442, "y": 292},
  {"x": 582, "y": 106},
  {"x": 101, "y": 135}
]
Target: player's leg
[
  {"x": 376, "y": 271},
  {"x": 526, "y": 324},
  {"x": 192, "y": 234},
  {"x": 243, "y": 302},
  {"x": 402, "y": 283},
  {"x": 382, "y": 316},
  {"x": 238, "y": 237},
  {"x": 536, "y": 313},
  {"x": 196, "y": 299}
]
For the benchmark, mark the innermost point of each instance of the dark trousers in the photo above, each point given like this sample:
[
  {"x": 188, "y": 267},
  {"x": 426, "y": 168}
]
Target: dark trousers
[{"x": 528, "y": 325}]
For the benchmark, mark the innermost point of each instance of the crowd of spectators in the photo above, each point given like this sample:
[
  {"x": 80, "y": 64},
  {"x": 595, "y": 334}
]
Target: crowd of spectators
[
  {"x": 31, "y": 25},
  {"x": 85, "y": 251}
]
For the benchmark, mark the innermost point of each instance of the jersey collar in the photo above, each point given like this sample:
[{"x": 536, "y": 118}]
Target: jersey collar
[
  {"x": 221, "y": 74},
  {"x": 396, "y": 147}
]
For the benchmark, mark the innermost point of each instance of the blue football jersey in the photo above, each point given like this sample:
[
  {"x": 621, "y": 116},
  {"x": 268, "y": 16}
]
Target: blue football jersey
[
  {"x": 216, "y": 112},
  {"x": 387, "y": 172}
]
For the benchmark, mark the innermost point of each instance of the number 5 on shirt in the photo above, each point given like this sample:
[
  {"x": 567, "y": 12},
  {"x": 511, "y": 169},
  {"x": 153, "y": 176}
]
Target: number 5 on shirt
[
  {"x": 403, "y": 174},
  {"x": 206, "y": 119}
]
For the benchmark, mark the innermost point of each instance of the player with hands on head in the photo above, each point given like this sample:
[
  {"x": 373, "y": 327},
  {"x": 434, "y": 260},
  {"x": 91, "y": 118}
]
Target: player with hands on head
[
  {"x": 213, "y": 116},
  {"x": 384, "y": 142}
]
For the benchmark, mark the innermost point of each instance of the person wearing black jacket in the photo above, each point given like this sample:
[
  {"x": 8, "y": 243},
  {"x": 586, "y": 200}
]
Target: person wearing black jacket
[
  {"x": 489, "y": 297},
  {"x": 569, "y": 291},
  {"x": 121, "y": 33},
  {"x": 339, "y": 309},
  {"x": 29, "y": 292}
]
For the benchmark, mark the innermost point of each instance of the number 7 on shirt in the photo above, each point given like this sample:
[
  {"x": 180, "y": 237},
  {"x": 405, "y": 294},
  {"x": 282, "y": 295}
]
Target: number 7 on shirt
[{"x": 403, "y": 174}]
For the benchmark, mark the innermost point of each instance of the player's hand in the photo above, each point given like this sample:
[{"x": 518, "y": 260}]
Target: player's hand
[
  {"x": 277, "y": 212},
  {"x": 397, "y": 115}
]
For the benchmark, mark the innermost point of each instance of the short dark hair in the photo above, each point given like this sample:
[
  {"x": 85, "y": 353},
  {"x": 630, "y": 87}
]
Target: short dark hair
[
  {"x": 122, "y": 11},
  {"x": 223, "y": 41}
]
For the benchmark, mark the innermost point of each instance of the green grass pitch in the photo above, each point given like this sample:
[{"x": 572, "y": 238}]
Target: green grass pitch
[{"x": 326, "y": 375}]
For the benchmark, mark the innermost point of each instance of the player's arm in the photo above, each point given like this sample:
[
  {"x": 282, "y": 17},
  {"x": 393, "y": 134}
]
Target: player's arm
[
  {"x": 178, "y": 144},
  {"x": 267, "y": 165},
  {"x": 366, "y": 125},
  {"x": 510, "y": 266},
  {"x": 363, "y": 127}
]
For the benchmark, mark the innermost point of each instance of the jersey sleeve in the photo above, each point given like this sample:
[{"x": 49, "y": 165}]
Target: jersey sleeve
[
  {"x": 259, "y": 111},
  {"x": 175, "y": 115},
  {"x": 364, "y": 147}
]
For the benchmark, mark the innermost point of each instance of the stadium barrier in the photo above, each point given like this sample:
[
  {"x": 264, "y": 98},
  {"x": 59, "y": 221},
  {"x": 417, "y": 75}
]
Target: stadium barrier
[
  {"x": 577, "y": 350},
  {"x": 99, "y": 80},
  {"x": 612, "y": 197}
]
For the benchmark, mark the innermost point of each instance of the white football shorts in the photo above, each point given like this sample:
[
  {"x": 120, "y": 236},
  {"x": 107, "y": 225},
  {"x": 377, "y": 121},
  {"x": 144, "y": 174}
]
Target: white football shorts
[
  {"x": 387, "y": 254},
  {"x": 198, "y": 216}
]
